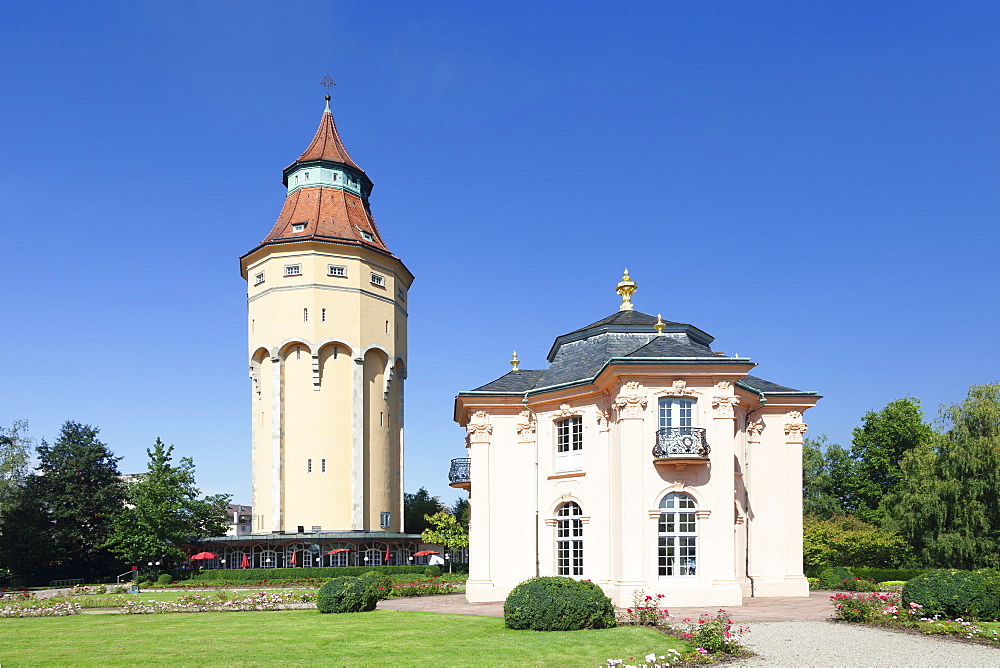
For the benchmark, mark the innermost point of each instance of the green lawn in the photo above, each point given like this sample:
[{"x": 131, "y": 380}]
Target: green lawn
[{"x": 379, "y": 638}]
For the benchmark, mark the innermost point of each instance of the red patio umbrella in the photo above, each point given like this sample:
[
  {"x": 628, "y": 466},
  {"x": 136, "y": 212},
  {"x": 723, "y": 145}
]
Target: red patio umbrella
[
  {"x": 293, "y": 562},
  {"x": 246, "y": 562},
  {"x": 387, "y": 557},
  {"x": 339, "y": 550},
  {"x": 424, "y": 553},
  {"x": 205, "y": 555}
]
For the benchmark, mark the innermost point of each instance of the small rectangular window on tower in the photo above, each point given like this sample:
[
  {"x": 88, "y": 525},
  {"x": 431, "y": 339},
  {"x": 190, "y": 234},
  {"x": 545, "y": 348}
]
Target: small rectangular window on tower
[
  {"x": 336, "y": 270},
  {"x": 322, "y": 315},
  {"x": 298, "y": 227},
  {"x": 305, "y": 315},
  {"x": 293, "y": 270},
  {"x": 258, "y": 278},
  {"x": 322, "y": 465},
  {"x": 378, "y": 279},
  {"x": 309, "y": 466},
  {"x": 367, "y": 236}
]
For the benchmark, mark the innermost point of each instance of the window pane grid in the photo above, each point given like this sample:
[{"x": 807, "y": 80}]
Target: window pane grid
[
  {"x": 677, "y": 539},
  {"x": 569, "y": 539}
]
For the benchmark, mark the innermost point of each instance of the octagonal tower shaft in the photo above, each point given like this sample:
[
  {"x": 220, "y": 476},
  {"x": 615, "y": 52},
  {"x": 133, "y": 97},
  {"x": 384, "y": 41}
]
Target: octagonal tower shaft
[{"x": 327, "y": 353}]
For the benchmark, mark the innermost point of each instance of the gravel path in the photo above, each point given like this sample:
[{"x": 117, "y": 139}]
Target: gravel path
[{"x": 815, "y": 643}]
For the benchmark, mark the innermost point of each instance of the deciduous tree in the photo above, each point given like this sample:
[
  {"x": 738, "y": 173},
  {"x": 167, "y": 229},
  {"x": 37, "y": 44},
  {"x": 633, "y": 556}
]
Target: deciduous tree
[
  {"x": 416, "y": 507},
  {"x": 947, "y": 503},
  {"x": 877, "y": 448},
  {"x": 165, "y": 509},
  {"x": 61, "y": 517},
  {"x": 826, "y": 473},
  {"x": 15, "y": 459}
]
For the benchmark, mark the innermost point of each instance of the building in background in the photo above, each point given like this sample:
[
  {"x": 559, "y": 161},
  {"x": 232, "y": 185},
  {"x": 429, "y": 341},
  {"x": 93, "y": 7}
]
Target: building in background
[
  {"x": 327, "y": 309},
  {"x": 640, "y": 459}
]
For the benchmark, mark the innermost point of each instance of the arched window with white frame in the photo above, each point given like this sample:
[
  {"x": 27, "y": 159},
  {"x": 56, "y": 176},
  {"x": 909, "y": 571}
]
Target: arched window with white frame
[
  {"x": 677, "y": 529},
  {"x": 569, "y": 539}
]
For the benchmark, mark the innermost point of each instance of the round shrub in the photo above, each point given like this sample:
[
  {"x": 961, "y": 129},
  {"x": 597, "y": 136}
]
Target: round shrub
[
  {"x": 834, "y": 578},
  {"x": 164, "y": 579},
  {"x": 952, "y": 593},
  {"x": 379, "y": 582},
  {"x": 558, "y": 604},
  {"x": 346, "y": 594},
  {"x": 432, "y": 571}
]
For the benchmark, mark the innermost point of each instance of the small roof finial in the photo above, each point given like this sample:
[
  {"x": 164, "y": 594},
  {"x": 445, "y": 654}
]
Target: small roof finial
[
  {"x": 626, "y": 288},
  {"x": 514, "y": 361},
  {"x": 327, "y": 82},
  {"x": 660, "y": 325}
]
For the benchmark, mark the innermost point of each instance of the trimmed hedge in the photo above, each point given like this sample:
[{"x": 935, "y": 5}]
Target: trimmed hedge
[
  {"x": 165, "y": 579},
  {"x": 257, "y": 575},
  {"x": 348, "y": 594},
  {"x": 833, "y": 578},
  {"x": 558, "y": 604},
  {"x": 887, "y": 574},
  {"x": 953, "y": 593}
]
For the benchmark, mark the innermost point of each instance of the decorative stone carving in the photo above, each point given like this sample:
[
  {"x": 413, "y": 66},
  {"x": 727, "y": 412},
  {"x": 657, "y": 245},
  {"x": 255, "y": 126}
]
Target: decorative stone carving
[
  {"x": 630, "y": 403},
  {"x": 702, "y": 513},
  {"x": 795, "y": 427},
  {"x": 679, "y": 388},
  {"x": 478, "y": 429},
  {"x": 724, "y": 386},
  {"x": 724, "y": 405},
  {"x": 525, "y": 427},
  {"x": 754, "y": 430},
  {"x": 565, "y": 411}
]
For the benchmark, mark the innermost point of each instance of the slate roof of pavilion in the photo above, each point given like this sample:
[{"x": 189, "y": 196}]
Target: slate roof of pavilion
[{"x": 626, "y": 337}]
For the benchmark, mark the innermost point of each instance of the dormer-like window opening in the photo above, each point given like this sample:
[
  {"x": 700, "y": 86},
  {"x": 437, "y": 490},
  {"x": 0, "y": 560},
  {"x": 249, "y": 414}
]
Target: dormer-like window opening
[{"x": 298, "y": 227}]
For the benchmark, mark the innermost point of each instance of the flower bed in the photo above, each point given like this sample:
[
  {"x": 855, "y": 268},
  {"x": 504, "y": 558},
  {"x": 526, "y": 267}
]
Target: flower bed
[
  {"x": 222, "y": 602},
  {"x": 713, "y": 637},
  {"x": 886, "y": 609},
  {"x": 54, "y": 609}
]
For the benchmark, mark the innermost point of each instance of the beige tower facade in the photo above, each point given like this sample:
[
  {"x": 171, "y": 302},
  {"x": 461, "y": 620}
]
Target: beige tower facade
[{"x": 327, "y": 310}]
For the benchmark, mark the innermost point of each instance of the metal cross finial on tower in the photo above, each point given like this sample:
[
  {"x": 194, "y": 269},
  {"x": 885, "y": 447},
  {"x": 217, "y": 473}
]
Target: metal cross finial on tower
[
  {"x": 626, "y": 288},
  {"x": 327, "y": 83}
]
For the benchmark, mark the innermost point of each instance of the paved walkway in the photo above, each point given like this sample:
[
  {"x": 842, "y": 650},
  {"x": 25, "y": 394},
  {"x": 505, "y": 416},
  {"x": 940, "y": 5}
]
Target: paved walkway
[{"x": 815, "y": 607}]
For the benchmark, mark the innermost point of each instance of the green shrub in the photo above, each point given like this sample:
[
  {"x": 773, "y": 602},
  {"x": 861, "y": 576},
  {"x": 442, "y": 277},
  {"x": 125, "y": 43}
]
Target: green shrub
[
  {"x": 164, "y": 579},
  {"x": 346, "y": 594},
  {"x": 558, "y": 604},
  {"x": 883, "y": 574},
  {"x": 380, "y": 583},
  {"x": 432, "y": 571},
  {"x": 953, "y": 593},
  {"x": 145, "y": 583},
  {"x": 834, "y": 578}
]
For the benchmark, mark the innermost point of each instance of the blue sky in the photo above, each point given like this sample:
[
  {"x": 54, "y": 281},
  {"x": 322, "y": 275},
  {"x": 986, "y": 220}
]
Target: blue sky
[{"x": 816, "y": 185}]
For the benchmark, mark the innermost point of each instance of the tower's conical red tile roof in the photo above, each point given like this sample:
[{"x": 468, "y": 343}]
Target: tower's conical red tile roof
[
  {"x": 326, "y": 143},
  {"x": 321, "y": 212}
]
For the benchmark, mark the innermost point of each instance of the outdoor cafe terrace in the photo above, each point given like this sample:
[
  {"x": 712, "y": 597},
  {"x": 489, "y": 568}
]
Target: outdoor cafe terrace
[{"x": 301, "y": 550}]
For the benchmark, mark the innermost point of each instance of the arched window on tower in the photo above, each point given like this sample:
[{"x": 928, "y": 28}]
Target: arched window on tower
[
  {"x": 569, "y": 539},
  {"x": 677, "y": 530}
]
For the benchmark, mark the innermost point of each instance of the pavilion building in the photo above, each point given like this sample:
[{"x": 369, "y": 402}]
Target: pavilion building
[{"x": 640, "y": 459}]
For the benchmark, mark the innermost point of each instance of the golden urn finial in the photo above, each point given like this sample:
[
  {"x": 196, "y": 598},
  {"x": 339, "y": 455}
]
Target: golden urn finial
[
  {"x": 514, "y": 361},
  {"x": 626, "y": 288},
  {"x": 660, "y": 325}
]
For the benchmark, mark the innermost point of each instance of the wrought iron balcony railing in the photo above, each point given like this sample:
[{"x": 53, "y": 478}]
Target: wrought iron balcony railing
[
  {"x": 681, "y": 443},
  {"x": 460, "y": 472}
]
